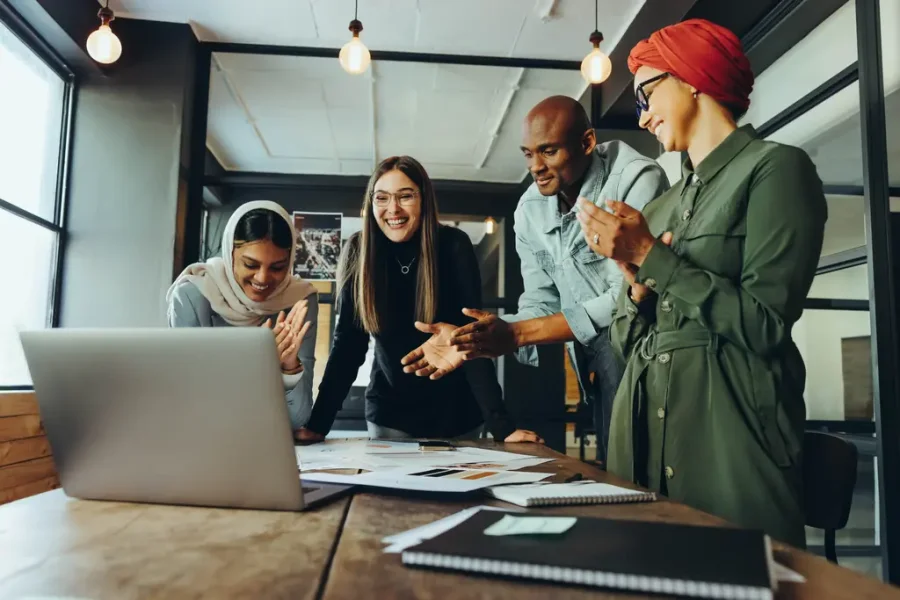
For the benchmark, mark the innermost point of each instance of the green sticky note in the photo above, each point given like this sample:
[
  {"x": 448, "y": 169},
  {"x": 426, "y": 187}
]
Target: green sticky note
[{"x": 510, "y": 525}]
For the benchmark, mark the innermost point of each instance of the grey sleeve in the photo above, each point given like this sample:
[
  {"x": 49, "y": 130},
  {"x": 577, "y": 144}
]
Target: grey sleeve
[
  {"x": 188, "y": 307},
  {"x": 300, "y": 397}
]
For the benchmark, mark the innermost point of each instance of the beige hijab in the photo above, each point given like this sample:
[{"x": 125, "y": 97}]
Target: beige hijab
[{"x": 215, "y": 278}]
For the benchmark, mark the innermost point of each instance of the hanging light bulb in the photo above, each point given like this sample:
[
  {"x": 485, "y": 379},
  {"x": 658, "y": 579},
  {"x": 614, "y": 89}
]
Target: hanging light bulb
[
  {"x": 596, "y": 66},
  {"x": 354, "y": 56},
  {"x": 103, "y": 45},
  {"x": 490, "y": 225}
]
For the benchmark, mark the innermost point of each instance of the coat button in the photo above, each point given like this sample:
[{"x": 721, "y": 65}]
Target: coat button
[
  {"x": 686, "y": 214},
  {"x": 664, "y": 357},
  {"x": 665, "y": 306},
  {"x": 650, "y": 283},
  {"x": 670, "y": 472},
  {"x": 661, "y": 413}
]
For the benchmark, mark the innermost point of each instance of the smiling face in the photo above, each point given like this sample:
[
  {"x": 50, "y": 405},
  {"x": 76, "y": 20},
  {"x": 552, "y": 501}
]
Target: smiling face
[
  {"x": 672, "y": 108},
  {"x": 260, "y": 267},
  {"x": 397, "y": 205},
  {"x": 556, "y": 158},
  {"x": 556, "y": 149}
]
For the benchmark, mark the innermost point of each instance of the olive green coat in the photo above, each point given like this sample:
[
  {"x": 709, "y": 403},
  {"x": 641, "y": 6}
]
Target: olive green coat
[{"x": 710, "y": 411}]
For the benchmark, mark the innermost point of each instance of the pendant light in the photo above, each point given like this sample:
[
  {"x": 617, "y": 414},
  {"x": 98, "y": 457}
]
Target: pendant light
[
  {"x": 103, "y": 45},
  {"x": 596, "y": 66},
  {"x": 354, "y": 55},
  {"x": 490, "y": 225}
]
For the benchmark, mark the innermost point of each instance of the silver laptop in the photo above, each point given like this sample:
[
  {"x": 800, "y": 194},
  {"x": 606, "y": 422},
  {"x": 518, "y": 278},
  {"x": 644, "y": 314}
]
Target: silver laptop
[{"x": 191, "y": 416}]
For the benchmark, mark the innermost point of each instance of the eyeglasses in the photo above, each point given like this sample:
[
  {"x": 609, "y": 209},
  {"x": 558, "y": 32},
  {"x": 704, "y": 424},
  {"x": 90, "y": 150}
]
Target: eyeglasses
[
  {"x": 405, "y": 198},
  {"x": 641, "y": 97}
]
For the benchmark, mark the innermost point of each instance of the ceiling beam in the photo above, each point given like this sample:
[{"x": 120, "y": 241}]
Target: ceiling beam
[
  {"x": 65, "y": 26},
  {"x": 783, "y": 27},
  {"x": 243, "y": 179},
  {"x": 396, "y": 56},
  {"x": 495, "y": 131}
]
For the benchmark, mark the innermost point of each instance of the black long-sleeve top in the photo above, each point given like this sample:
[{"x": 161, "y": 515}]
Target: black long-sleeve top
[{"x": 450, "y": 406}]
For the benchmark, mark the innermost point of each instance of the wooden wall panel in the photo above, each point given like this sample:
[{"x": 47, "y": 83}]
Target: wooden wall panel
[
  {"x": 17, "y": 451},
  {"x": 17, "y": 428},
  {"x": 29, "y": 489},
  {"x": 26, "y": 464},
  {"x": 26, "y": 472},
  {"x": 13, "y": 404}
]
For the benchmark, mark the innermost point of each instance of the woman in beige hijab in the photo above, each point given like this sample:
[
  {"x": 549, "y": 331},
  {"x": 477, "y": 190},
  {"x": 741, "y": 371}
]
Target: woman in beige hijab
[{"x": 251, "y": 285}]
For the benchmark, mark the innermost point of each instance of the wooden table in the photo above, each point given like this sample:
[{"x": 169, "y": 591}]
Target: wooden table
[{"x": 51, "y": 545}]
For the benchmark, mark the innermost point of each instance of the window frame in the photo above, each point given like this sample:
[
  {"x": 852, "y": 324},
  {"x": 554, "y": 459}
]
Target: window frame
[{"x": 34, "y": 43}]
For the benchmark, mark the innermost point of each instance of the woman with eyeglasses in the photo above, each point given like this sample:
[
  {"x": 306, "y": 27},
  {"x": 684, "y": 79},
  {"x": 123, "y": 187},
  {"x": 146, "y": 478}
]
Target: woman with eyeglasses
[
  {"x": 401, "y": 271},
  {"x": 710, "y": 411}
]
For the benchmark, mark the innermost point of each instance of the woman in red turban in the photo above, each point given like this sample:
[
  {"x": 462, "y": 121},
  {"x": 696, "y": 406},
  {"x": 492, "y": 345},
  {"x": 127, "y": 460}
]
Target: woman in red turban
[{"x": 710, "y": 411}]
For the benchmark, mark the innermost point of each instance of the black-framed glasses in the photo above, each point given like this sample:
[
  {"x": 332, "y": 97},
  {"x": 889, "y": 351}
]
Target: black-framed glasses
[{"x": 641, "y": 97}]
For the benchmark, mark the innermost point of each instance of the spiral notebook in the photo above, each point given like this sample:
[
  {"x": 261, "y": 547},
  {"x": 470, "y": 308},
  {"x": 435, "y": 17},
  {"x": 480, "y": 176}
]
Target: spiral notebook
[
  {"x": 651, "y": 557},
  {"x": 550, "y": 494}
]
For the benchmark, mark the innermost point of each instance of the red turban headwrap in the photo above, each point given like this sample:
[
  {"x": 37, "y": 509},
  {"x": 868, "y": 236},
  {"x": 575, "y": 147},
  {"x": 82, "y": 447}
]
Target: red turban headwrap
[{"x": 702, "y": 54}]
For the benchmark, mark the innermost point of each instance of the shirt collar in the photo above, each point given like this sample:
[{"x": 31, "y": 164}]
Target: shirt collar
[
  {"x": 721, "y": 155},
  {"x": 590, "y": 189}
]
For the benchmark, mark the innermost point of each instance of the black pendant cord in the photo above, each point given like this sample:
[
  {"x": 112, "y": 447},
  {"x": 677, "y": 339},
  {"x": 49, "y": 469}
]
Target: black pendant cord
[{"x": 596, "y": 19}]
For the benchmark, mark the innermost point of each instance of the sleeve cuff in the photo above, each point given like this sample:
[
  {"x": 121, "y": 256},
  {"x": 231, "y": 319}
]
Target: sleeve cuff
[
  {"x": 580, "y": 323},
  {"x": 291, "y": 381},
  {"x": 527, "y": 355},
  {"x": 659, "y": 268},
  {"x": 501, "y": 428}
]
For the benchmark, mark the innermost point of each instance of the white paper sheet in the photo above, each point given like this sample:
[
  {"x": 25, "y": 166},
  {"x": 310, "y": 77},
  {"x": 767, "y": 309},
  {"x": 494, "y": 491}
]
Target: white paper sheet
[
  {"x": 430, "y": 479},
  {"x": 377, "y": 455},
  {"x": 406, "y": 539},
  {"x": 783, "y": 574}
]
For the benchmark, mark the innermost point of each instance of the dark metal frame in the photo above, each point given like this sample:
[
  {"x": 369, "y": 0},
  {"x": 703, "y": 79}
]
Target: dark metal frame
[
  {"x": 855, "y": 190},
  {"x": 36, "y": 44},
  {"x": 883, "y": 312},
  {"x": 882, "y": 305},
  {"x": 390, "y": 55},
  {"x": 808, "y": 102},
  {"x": 846, "y": 259}
]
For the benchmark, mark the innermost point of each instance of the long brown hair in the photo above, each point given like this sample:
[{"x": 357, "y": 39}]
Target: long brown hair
[{"x": 365, "y": 264}]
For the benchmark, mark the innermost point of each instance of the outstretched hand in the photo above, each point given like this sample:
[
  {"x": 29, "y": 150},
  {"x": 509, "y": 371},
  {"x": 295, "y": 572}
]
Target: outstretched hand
[
  {"x": 488, "y": 337},
  {"x": 436, "y": 357}
]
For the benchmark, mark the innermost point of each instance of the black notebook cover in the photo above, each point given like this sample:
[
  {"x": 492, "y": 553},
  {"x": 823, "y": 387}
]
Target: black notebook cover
[{"x": 712, "y": 562}]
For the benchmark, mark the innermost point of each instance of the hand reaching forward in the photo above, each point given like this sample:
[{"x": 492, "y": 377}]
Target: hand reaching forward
[{"x": 436, "y": 357}]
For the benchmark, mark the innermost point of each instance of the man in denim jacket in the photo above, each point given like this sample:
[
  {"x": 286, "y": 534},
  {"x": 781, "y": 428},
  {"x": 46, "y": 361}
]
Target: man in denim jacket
[{"x": 570, "y": 291}]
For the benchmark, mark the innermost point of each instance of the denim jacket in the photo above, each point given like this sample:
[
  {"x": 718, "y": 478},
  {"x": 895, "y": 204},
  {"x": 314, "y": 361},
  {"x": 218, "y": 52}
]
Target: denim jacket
[{"x": 560, "y": 271}]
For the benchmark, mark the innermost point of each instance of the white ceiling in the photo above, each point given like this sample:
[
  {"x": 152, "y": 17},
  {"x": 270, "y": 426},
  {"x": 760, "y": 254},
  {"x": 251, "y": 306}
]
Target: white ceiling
[
  {"x": 523, "y": 28},
  {"x": 306, "y": 115}
]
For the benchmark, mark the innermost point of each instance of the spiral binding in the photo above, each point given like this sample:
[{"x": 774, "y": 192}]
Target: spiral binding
[
  {"x": 590, "y": 499},
  {"x": 657, "y": 585}
]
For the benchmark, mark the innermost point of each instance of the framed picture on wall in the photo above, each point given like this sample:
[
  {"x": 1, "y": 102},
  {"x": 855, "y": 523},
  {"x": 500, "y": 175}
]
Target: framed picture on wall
[{"x": 318, "y": 245}]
